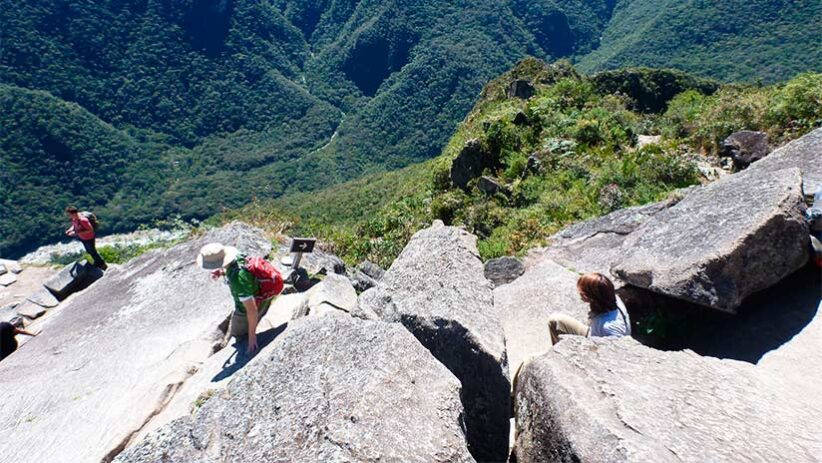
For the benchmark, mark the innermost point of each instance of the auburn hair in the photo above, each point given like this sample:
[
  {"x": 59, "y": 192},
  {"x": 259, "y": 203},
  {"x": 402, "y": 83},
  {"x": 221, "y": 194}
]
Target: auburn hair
[
  {"x": 599, "y": 291},
  {"x": 72, "y": 210}
]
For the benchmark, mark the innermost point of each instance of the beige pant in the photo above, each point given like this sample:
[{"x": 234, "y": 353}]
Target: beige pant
[
  {"x": 238, "y": 326},
  {"x": 560, "y": 323}
]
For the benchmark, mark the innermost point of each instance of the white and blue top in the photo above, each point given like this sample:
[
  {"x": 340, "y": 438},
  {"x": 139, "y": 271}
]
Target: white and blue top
[{"x": 613, "y": 323}]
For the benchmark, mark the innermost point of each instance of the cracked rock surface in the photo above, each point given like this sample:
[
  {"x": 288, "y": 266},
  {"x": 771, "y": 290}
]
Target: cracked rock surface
[
  {"x": 111, "y": 357},
  {"x": 331, "y": 388},
  {"x": 525, "y": 305},
  {"x": 437, "y": 289},
  {"x": 586, "y": 401},
  {"x": 723, "y": 242},
  {"x": 595, "y": 245},
  {"x": 804, "y": 153}
]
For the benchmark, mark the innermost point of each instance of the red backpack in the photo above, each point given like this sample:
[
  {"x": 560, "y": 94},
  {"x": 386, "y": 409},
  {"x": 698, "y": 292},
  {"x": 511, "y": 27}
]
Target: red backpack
[{"x": 269, "y": 278}]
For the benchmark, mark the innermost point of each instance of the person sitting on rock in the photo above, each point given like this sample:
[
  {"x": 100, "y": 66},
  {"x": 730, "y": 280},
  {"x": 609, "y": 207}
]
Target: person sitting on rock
[
  {"x": 82, "y": 229},
  {"x": 8, "y": 342},
  {"x": 607, "y": 315},
  {"x": 253, "y": 282}
]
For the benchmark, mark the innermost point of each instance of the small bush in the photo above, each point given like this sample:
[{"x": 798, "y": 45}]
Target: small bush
[
  {"x": 441, "y": 177},
  {"x": 446, "y": 206},
  {"x": 796, "y": 107}
]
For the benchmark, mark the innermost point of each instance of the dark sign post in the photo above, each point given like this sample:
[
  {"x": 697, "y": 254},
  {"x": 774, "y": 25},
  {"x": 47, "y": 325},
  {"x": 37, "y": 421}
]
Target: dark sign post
[{"x": 300, "y": 246}]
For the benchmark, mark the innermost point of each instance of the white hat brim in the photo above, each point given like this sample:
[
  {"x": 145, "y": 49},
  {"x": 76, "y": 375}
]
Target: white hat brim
[{"x": 230, "y": 254}]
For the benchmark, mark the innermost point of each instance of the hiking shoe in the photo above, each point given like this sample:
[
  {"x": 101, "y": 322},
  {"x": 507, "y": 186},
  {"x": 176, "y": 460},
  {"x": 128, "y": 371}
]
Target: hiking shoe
[{"x": 102, "y": 266}]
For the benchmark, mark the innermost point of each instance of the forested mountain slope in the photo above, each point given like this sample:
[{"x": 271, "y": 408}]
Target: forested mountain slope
[
  {"x": 568, "y": 153},
  {"x": 259, "y": 98},
  {"x": 55, "y": 152},
  {"x": 732, "y": 40}
]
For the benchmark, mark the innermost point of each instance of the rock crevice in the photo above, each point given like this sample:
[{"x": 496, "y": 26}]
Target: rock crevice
[{"x": 437, "y": 289}]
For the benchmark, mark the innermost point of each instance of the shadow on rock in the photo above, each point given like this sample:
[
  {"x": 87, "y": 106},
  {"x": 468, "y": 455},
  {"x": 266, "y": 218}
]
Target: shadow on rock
[
  {"x": 240, "y": 358},
  {"x": 765, "y": 321},
  {"x": 485, "y": 390}
]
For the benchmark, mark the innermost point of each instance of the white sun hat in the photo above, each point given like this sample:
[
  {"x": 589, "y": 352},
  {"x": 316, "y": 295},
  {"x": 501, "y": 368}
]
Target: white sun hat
[{"x": 214, "y": 255}]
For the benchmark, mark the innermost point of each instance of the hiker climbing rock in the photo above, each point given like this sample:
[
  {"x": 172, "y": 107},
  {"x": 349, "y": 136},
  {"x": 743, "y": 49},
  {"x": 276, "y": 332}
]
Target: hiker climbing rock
[
  {"x": 84, "y": 228},
  {"x": 607, "y": 315},
  {"x": 8, "y": 342},
  {"x": 253, "y": 282}
]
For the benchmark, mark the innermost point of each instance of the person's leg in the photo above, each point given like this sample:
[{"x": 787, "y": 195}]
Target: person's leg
[
  {"x": 560, "y": 323},
  {"x": 238, "y": 326},
  {"x": 91, "y": 249},
  {"x": 262, "y": 313}
]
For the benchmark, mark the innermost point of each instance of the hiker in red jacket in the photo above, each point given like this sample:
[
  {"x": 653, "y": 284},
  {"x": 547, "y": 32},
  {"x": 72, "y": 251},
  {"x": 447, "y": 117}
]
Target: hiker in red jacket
[
  {"x": 253, "y": 282},
  {"x": 82, "y": 229}
]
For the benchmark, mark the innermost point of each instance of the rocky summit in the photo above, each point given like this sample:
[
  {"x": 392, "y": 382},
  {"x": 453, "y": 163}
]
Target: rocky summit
[
  {"x": 602, "y": 400},
  {"x": 111, "y": 357},
  {"x": 723, "y": 242},
  {"x": 333, "y": 388},
  {"x": 429, "y": 362},
  {"x": 437, "y": 289}
]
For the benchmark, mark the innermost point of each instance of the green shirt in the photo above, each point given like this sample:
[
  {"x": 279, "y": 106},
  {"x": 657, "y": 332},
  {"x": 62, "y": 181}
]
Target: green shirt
[{"x": 243, "y": 285}]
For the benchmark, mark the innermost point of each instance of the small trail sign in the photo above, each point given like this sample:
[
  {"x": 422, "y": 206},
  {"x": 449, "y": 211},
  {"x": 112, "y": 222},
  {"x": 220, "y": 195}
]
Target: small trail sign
[
  {"x": 300, "y": 246},
  {"x": 303, "y": 245}
]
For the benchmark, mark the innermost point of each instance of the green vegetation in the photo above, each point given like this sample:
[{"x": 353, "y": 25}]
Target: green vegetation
[
  {"x": 192, "y": 108},
  {"x": 584, "y": 139},
  {"x": 651, "y": 89},
  {"x": 202, "y": 399},
  {"x": 232, "y": 101},
  {"x": 784, "y": 111},
  {"x": 113, "y": 254},
  {"x": 56, "y": 153},
  {"x": 731, "y": 40}
]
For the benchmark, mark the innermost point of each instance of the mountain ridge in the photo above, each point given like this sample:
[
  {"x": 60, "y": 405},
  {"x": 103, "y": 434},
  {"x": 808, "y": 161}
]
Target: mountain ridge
[{"x": 249, "y": 94}]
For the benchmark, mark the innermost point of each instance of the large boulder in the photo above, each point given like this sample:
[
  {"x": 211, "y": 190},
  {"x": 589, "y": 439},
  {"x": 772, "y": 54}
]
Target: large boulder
[
  {"x": 44, "y": 298},
  {"x": 111, "y": 357},
  {"x": 804, "y": 153},
  {"x": 215, "y": 373},
  {"x": 335, "y": 291},
  {"x": 520, "y": 88},
  {"x": 745, "y": 147},
  {"x": 72, "y": 278},
  {"x": 334, "y": 294},
  {"x": 436, "y": 288},
  {"x": 722, "y": 242},
  {"x": 604, "y": 400},
  {"x": 524, "y": 306},
  {"x": 469, "y": 163},
  {"x": 596, "y": 245},
  {"x": 331, "y": 389},
  {"x": 503, "y": 270}
]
